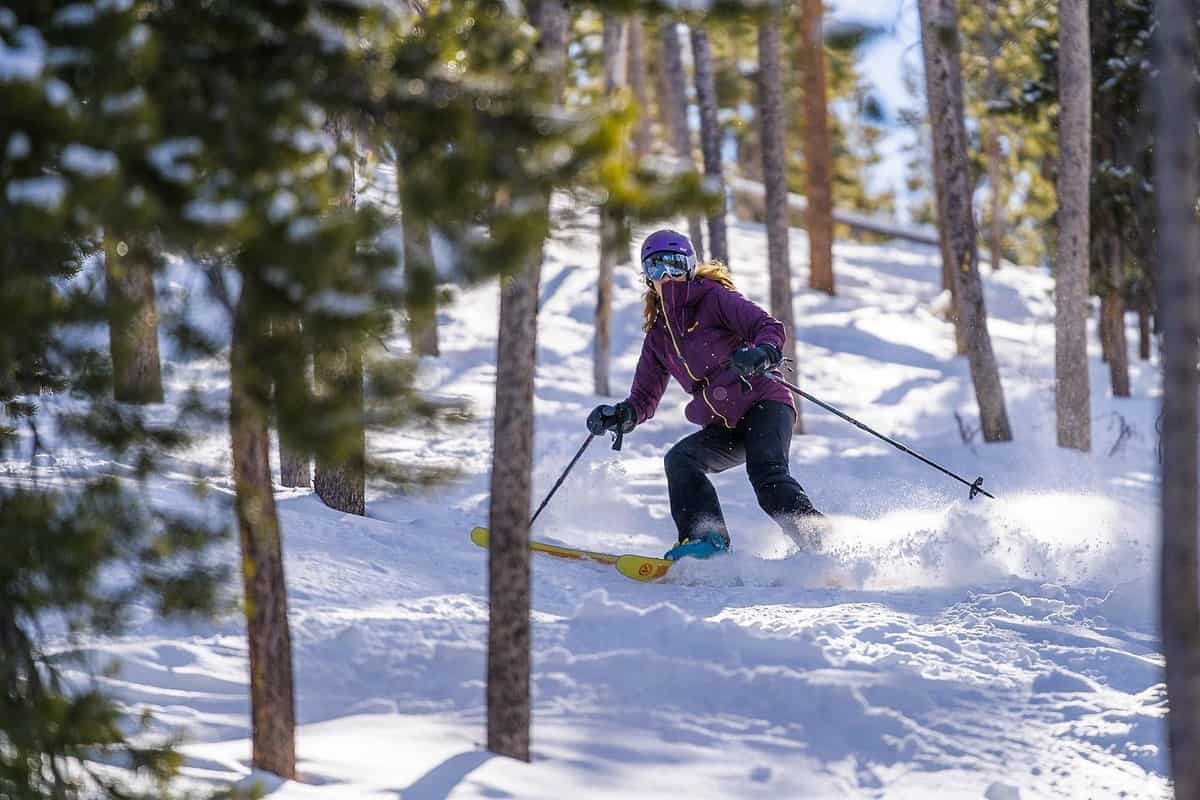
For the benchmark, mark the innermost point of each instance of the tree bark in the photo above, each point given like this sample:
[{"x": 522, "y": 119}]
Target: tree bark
[
  {"x": 340, "y": 479},
  {"x": 673, "y": 112},
  {"x": 422, "y": 279},
  {"x": 293, "y": 467},
  {"x": 1072, "y": 397},
  {"x": 1102, "y": 330},
  {"x": 1144, "y": 336},
  {"x": 508, "y": 519},
  {"x": 1113, "y": 314},
  {"x": 992, "y": 143},
  {"x": 1177, "y": 164},
  {"x": 643, "y": 140},
  {"x": 710, "y": 140},
  {"x": 1118, "y": 353},
  {"x": 272, "y": 698},
  {"x": 995, "y": 198},
  {"x": 132, "y": 318},
  {"x": 939, "y": 39},
  {"x": 613, "y": 232},
  {"x": 614, "y": 250},
  {"x": 293, "y": 460},
  {"x": 774, "y": 164},
  {"x": 818, "y": 149},
  {"x": 509, "y": 631},
  {"x": 929, "y": 53}
]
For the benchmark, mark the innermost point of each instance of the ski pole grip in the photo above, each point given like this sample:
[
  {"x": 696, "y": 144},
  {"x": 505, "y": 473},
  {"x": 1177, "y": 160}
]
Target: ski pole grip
[{"x": 618, "y": 437}]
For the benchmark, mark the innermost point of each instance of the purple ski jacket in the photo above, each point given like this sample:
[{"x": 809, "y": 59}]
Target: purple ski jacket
[{"x": 699, "y": 327}]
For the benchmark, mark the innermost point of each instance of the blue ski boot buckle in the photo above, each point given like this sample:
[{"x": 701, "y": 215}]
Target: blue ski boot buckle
[{"x": 702, "y": 546}]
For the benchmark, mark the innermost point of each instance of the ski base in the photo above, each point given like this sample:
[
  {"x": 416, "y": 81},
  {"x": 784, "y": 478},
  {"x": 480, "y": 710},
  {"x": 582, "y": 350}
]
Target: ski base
[{"x": 638, "y": 568}]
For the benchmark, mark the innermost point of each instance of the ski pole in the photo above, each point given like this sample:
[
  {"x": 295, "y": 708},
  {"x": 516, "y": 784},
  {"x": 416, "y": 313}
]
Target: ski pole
[
  {"x": 562, "y": 477},
  {"x": 976, "y": 486}
]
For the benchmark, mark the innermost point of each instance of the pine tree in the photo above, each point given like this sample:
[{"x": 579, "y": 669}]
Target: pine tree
[
  {"x": 710, "y": 140},
  {"x": 672, "y": 111},
  {"x": 509, "y": 634},
  {"x": 340, "y": 477},
  {"x": 64, "y": 176},
  {"x": 1005, "y": 55},
  {"x": 1072, "y": 393},
  {"x": 614, "y": 235},
  {"x": 1120, "y": 242},
  {"x": 939, "y": 40},
  {"x": 272, "y": 698},
  {"x": 267, "y": 178},
  {"x": 818, "y": 155},
  {"x": 638, "y": 84},
  {"x": 1177, "y": 164},
  {"x": 774, "y": 160},
  {"x": 991, "y": 145},
  {"x": 421, "y": 270},
  {"x": 940, "y": 163}
]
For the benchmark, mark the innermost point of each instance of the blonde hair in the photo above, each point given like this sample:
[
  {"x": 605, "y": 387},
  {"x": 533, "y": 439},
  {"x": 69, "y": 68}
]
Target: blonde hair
[{"x": 713, "y": 270}]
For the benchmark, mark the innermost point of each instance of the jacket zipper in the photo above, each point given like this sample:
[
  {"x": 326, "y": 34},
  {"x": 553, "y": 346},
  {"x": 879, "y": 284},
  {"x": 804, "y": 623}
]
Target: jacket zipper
[{"x": 703, "y": 382}]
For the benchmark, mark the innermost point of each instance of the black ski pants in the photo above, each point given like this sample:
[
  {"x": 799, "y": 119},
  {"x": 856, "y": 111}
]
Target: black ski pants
[{"x": 761, "y": 441}]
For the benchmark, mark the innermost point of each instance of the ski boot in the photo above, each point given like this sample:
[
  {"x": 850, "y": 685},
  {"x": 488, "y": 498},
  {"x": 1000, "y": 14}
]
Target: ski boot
[{"x": 702, "y": 545}]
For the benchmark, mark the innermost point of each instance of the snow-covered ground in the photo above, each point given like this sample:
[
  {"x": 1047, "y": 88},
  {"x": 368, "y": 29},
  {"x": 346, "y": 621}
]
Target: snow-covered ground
[{"x": 945, "y": 647}]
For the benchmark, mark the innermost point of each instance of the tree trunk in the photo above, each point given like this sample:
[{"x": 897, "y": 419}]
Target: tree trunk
[
  {"x": 1118, "y": 353},
  {"x": 1071, "y": 386},
  {"x": 340, "y": 479},
  {"x": 1144, "y": 336},
  {"x": 508, "y": 518},
  {"x": 643, "y": 141},
  {"x": 929, "y": 53},
  {"x": 749, "y": 153},
  {"x": 710, "y": 140},
  {"x": 272, "y": 699},
  {"x": 293, "y": 467},
  {"x": 774, "y": 165},
  {"x": 422, "y": 279},
  {"x": 132, "y": 318},
  {"x": 614, "y": 250},
  {"x": 1103, "y": 330},
  {"x": 818, "y": 150},
  {"x": 992, "y": 143},
  {"x": 1114, "y": 313},
  {"x": 293, "y": 460},
  {"x": 1177, "y": 164},
  {"x": 612, "y": 225},
  {"x": 509, "y": 630},
  {"x": 996, "y": 222},
  {"x": 939, "y": 38},
  {"x": 673, "y": 111}
]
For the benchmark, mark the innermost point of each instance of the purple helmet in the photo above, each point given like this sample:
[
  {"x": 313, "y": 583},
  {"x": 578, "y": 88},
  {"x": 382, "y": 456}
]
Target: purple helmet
[{"x": 669, "y": 241}]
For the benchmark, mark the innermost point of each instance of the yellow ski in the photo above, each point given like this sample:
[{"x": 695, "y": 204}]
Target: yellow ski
[
  {"x": 643, "y": 568},
  {"x": 638, "y": 568}
]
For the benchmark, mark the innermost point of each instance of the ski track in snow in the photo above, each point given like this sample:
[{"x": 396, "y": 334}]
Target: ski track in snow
[{"x": 939, "y": 647}]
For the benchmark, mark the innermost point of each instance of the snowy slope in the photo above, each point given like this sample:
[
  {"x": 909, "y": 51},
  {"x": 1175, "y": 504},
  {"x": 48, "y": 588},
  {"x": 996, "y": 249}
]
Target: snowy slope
[{"x": 944, "y": 647}]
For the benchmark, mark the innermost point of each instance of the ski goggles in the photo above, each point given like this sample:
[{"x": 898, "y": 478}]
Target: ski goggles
[{"x": 660, "y": 265}]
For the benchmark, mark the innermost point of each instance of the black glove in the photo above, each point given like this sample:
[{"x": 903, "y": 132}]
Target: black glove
[
  {"x": 620, "y": 418},
  {"x": 750, "y": 361}
]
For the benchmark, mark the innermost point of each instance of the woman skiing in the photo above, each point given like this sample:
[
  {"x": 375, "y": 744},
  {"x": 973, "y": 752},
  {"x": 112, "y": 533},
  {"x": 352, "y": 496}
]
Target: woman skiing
[{"x": 720, "y": 347}]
